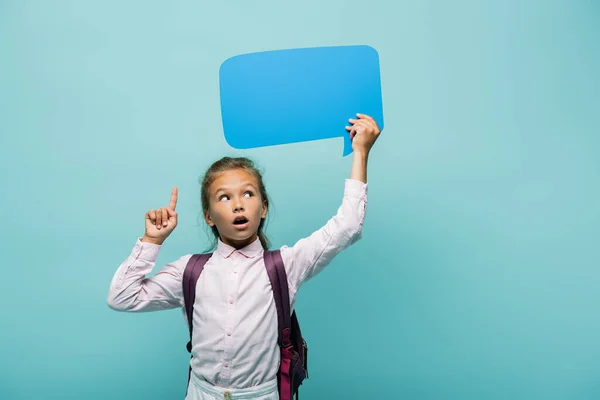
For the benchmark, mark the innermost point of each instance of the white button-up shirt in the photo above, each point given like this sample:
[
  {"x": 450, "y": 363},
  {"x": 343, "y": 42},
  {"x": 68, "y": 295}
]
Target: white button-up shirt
[{"x": 234, "y": 341}]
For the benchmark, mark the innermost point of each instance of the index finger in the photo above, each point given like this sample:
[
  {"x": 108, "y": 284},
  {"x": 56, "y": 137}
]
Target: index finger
[
  {"x": 173, "y": 202},
  {"x": 365, "y": 116},
  {"x": 368, "y": 118}
]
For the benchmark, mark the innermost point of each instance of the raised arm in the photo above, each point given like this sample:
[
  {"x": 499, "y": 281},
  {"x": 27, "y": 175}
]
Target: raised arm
[
  {"x": 131, "y": 289},
  {"x": 308, "y": 256}
]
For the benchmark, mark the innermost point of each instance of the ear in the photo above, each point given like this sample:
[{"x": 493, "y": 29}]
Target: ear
[
  {"x": 208, "y": 219},
  {"x": 265, "y": 208}
]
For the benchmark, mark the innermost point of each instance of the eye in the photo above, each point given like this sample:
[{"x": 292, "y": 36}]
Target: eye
[
  {"x": 248, "y": 194},
  {"x": 223, "y": 196}
]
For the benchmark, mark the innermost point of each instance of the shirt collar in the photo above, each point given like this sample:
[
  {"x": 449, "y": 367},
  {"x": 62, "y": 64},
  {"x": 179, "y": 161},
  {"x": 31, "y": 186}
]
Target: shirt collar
[{"x": 249, "y": 251}]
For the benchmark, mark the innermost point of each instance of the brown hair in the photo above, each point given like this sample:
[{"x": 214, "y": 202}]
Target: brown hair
[{"x": 227, "y": 164}]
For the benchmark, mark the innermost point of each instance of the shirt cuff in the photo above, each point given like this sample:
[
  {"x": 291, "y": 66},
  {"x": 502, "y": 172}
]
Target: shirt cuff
[
  {"x": 145, "y": 251},
  {"x": 355, "y": 188}
]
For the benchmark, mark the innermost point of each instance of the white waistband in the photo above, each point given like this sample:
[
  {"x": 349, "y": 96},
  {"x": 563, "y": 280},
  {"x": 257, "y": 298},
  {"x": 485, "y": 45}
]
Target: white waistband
[{"x": 234, "y": 394}]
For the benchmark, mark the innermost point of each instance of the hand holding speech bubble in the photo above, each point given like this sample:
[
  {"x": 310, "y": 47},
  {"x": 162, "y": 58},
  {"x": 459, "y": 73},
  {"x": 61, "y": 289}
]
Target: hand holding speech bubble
[{"x": 296, "y": 95}]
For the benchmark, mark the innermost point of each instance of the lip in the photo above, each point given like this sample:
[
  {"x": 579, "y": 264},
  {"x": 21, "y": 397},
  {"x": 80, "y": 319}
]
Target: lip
[{"x": 241, "y": 227}]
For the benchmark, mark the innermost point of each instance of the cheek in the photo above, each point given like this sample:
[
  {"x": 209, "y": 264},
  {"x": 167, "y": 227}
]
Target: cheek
[
  {"x": 215, "y": 213},
  {"x": 259, "y": 208},
  {"x": 218, "y": 216}
]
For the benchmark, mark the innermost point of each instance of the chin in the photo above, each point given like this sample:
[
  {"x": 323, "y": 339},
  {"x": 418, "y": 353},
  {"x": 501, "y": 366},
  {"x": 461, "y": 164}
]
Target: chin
[{"x": 241, "y": 236}]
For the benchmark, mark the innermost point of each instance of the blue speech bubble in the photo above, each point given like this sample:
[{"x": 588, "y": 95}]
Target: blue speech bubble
[{"x": 296, "y": 95}]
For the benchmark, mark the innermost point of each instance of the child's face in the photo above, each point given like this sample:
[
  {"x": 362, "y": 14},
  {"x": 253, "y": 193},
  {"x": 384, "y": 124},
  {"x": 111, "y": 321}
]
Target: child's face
[{"x": 235, "y": 207}]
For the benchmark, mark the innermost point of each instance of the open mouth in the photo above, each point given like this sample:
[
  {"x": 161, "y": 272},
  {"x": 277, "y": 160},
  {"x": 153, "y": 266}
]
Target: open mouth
[{"x": 240, "y": 221}]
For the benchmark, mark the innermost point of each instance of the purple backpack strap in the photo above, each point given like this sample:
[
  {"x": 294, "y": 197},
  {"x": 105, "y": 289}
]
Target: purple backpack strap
[
  {"x": 278, "y": 278},
  {"x": 279, "y": 284},
  {"x": 192, "y": 272}
]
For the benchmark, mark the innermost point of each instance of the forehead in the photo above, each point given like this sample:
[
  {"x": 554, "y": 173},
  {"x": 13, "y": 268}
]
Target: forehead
[{"x": 232, "y": 179}]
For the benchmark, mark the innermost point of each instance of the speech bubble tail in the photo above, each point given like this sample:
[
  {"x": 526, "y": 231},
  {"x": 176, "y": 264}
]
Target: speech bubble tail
[{"x": 347, "y": 145}]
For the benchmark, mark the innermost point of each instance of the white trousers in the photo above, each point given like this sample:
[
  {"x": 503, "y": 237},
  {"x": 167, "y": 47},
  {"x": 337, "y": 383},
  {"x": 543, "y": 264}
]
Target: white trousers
[{"x": 201, "y": 390}]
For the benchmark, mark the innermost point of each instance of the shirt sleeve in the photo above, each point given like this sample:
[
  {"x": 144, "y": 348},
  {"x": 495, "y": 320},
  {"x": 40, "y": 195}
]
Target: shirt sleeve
[
  {"x": 132, "y": 290},
  {"x": 308, "y": 256}
]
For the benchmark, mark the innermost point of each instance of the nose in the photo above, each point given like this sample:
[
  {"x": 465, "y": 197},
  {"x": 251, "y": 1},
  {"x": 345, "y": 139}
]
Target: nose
[{"x": 237, "y": 206}]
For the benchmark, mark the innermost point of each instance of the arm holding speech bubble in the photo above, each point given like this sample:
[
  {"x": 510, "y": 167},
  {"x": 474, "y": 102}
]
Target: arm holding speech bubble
[{"x": 310, "y": 255}]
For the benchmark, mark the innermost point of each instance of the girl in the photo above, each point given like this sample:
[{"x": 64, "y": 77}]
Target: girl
[{"x": 235, "y": 354}]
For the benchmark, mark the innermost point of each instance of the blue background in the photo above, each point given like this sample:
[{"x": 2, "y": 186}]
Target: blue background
[{"x": 477, "y": 277}]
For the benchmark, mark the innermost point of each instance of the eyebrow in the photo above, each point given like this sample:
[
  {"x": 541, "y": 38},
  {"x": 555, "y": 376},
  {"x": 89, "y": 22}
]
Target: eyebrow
[{"x": 244, "y": 185}]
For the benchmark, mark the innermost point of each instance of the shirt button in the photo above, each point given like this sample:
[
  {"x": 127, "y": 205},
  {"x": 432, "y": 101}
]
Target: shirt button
[
  {"x": 231, "y": 301},
  {"x": 228, "y": 333},
  {"x": 226, "y": 364}
]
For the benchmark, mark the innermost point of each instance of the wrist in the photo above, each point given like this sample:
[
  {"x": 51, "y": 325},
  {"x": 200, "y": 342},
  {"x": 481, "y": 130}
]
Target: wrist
[
  {"x": 359, "y": 166},
  {"x": 361, "y": 155},
  {"x": 147, "y": 239}
]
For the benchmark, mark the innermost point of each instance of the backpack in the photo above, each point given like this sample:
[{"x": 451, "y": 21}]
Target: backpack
[{"x": 294, "y": 351}]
